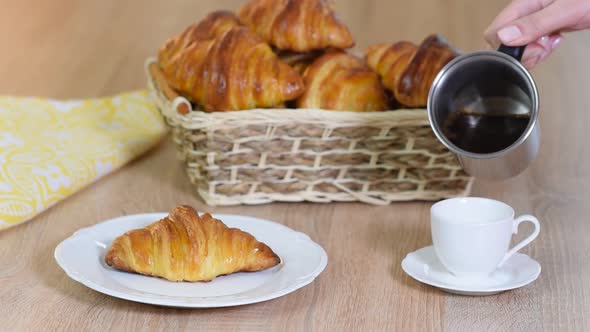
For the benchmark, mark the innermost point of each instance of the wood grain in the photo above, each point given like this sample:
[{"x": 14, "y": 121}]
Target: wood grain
[{"x": 72, "y": 49}]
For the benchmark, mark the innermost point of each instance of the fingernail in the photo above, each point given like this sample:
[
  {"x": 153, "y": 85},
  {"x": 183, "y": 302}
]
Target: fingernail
[
  {"x": 544, "y": 42},
  {"x": 556, "y": 42},
  {"x": 509, "y": 34}
]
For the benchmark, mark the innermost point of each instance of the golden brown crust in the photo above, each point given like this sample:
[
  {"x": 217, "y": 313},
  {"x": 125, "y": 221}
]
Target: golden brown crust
[
  {"x": 390, "y": 60},
  {"x": 187, "y": 247},
  {"x": 233, "y": 71},
  {"x": 340, "y": 81},
  {"x": 297, "y": 60},
  {"x": 409, "y": 70},
  {"x": 213, "y": 25},
  {"x": 297, "y": 25}
]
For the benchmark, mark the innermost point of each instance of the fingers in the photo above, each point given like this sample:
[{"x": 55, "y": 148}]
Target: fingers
[
  {"x": 535, "y": 23},
  {"x": 530, "y": 28},
  {"x": 539, "y": 50},
  {"x": 556, "y": 39},
  {"x": 515, "y": 10},
  {"x": 533, "y": 55}
]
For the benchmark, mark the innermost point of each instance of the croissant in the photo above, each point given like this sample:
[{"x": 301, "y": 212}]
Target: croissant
[
  {"x": 297, "y": 25},
  {"x": 340, "y": 81},
  {"x": 408, "y": 70},
  {"x": 187, "y": 247},
  {"x": 213, "y": 25},
  {"x": 298, "y": 61},
  {"x": 236, "y": 70}
]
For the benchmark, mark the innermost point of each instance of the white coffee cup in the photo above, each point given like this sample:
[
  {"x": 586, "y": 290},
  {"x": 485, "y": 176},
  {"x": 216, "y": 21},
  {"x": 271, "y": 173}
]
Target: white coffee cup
[{"x": 471, "y": 235}]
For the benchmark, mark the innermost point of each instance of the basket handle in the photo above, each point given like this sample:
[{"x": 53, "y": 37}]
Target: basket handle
[
  {"x": 156, "y": 75},
  {"x": 362, "y": 197}
]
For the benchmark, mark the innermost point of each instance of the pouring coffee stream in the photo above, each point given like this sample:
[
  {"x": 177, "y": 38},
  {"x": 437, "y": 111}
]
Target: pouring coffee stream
[{"x": 484, "y": 107}]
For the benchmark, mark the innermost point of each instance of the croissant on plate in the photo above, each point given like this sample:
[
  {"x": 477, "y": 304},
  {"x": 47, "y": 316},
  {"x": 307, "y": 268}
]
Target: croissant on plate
[
  {"x": 236, "y": 70},
  {"x": 296, "y": 25},
  {"x": 187, "y": 247},
  {"x": 340, "y": 81},
  {"x": 408, "y": 70}
]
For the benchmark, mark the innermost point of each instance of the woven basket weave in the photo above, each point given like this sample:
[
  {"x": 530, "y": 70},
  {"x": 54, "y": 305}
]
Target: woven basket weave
[{"x": 264, "y": 155}]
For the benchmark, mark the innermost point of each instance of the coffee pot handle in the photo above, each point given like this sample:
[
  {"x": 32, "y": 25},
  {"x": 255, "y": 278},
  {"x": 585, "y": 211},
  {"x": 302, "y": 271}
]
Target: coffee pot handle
[
  {"x": 514, "y": 51},
  {"x": 524, "y": 242}
]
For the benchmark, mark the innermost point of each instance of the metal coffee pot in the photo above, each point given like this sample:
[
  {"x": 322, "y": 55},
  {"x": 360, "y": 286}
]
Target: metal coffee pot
[{"x": 484, "y": 107}]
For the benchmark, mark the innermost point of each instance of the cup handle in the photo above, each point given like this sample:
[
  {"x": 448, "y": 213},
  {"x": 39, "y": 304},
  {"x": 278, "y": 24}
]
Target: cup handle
[
  {"x": 514, "y": 51},
  {"x": 524, "y": 242}
]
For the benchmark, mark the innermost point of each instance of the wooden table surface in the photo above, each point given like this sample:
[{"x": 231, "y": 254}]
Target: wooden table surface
[{"x": 68, "y": 48}]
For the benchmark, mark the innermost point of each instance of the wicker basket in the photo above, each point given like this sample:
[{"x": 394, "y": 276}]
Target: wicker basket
[{"x": 290, "y": 155}]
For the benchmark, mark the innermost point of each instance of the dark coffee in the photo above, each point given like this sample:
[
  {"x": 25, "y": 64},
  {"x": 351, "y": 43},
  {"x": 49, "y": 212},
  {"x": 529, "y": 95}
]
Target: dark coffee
[{"x": 484, "y": 133}]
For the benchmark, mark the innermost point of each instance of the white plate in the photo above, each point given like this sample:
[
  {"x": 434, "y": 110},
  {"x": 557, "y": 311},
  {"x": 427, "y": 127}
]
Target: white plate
[
  {"x": 81, "y": 256},
  {"x": 424, "y": 266}
]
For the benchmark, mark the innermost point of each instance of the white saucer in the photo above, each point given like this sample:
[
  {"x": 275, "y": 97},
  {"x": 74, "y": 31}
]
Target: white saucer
[
  {"x": 424, "y": 266},
  {"x": 81, "y": 256}
]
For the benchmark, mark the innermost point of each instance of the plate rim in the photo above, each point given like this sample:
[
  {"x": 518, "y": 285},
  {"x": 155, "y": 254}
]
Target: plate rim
[
  {"x": 299, "y": 282},
  {"x": 471, "y": 289}
]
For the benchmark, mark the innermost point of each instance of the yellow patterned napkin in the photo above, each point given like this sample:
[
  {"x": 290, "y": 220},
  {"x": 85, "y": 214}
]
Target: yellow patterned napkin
[{"x": 49, "y": 149}]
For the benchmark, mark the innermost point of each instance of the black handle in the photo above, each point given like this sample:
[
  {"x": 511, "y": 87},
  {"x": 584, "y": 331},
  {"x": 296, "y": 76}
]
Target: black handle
[{"x": 514, "y": 51}]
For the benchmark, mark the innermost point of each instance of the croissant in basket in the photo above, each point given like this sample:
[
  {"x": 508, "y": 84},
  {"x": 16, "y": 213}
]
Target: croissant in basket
[
  {"x": 408, "y": 70},
  {"x": 340, "y": 81},
  {"x": 212, "y": 26},
  {"x": 232, "y": 70},
  {"x": 297, "y": 60},
  {"x": 297, "y": 25},
  {"x": 187, "y": 247}
]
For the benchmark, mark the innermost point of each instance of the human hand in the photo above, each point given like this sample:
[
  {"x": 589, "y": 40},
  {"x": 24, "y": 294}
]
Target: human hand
[{"x": 538, "y": 24}]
